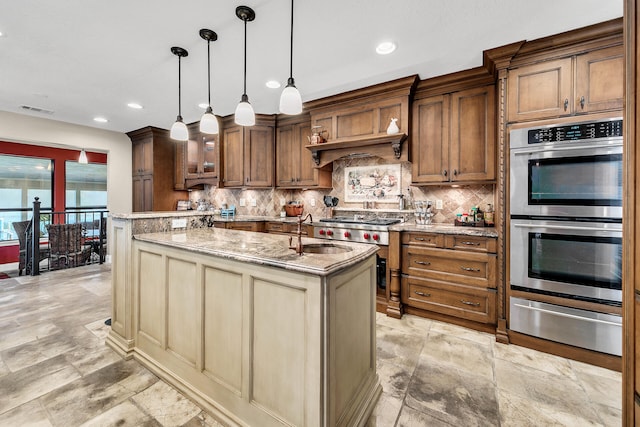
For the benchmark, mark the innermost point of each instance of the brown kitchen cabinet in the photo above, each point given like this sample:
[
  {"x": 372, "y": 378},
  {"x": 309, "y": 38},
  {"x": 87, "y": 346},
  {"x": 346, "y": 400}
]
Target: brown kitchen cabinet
[
  {"x": 450, "y": 275},
  {"x": 453, "y": 137},
  {"x": 248, "y": 153},
  {"x": 279, "y": 227},
  {"x": 583, "y": 83},
  {"x": 295, "y": 167},
  {"x": 153, "y": 167},
  {"x": 197, "y": 160}
]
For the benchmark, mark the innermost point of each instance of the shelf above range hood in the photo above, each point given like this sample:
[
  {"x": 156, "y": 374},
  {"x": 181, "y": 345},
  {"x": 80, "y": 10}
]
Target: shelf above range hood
[{"x": 389, "y": 147}]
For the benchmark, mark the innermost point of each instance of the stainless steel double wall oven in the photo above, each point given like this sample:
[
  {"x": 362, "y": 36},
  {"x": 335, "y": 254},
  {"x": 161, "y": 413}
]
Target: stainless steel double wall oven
[{"x": 566, "y": 233}]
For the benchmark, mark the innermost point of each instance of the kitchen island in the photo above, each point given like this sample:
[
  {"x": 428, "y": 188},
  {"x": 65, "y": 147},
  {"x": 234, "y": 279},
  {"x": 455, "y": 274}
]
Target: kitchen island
[{"x": 253, "y": 332}]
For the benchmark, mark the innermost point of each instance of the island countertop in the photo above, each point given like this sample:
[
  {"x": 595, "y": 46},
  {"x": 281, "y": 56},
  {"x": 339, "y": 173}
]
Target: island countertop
[{"x": 261, "y": 248}]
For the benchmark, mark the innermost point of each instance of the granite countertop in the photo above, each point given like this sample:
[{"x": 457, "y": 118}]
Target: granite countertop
[
  {"x": 195, "y": 213},
  {"x": 261, "y": 248},
  {"x": 445, "y": 229}
]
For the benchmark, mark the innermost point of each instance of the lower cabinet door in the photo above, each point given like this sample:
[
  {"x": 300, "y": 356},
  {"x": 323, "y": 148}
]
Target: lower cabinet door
[{"x": 460, "y": 301}]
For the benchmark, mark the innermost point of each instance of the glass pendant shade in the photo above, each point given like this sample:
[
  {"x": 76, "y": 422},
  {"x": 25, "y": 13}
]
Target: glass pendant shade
[
  {"x": 244, "y": 115},
  {"x": 83, "y": 158},
  {"x": 209, "y": 122},
  {"x": 290, "y": 100},
  {"x": 179, "y": 130}
]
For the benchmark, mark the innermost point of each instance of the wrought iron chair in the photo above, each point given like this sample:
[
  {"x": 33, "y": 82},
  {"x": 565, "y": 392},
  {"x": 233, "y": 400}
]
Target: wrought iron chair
[
  {"x": 67, "y": 246},
  {"x": 23, "y": 230}
]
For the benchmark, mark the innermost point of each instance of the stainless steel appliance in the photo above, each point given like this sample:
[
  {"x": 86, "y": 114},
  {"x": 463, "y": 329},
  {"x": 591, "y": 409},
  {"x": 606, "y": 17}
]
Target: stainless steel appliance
[
  {"x": 566, "y": 233},
  {"x": 361, "y": 230},
  {"x": 568, "y": 171}
]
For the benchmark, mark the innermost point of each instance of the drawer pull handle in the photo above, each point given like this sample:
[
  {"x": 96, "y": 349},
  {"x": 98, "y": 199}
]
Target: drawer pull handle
[
  {"x": 422, "y": 294},
  {"x": 476, "y": 270},
  {"x": 423, "y": 262},
  {"x": 475, "y": 304},
  {"x": 468, "y": 243},
  {"x": 420, "y": 239}
]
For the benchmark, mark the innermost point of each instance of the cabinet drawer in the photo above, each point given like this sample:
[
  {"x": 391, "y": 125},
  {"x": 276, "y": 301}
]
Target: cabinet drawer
[
  {"x": 474, "y": 304},
  {"x": 276, "y": 227},
  {"x": 471, "y": 243},
  {"x": 468, "y": 268},
  {"x": 244, "y": 226},
  {"x": 432, "y": 240}
]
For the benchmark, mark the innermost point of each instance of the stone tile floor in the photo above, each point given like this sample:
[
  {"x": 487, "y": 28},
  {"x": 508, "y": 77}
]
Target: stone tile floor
[{"x": 56, "y": 371}]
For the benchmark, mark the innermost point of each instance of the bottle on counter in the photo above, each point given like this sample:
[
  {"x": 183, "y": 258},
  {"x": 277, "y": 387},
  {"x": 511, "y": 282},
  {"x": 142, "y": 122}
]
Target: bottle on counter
[
  {"x": 489, "y": 216},
  {"x": 401, "y": 201}
]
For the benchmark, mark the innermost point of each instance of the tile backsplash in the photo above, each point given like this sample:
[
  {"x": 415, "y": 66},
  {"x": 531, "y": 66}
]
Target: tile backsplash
[{"x": 268, "y": 202}]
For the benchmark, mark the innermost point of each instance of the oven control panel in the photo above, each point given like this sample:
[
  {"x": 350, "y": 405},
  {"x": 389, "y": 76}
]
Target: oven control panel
[{"x": 575, "y": 132}]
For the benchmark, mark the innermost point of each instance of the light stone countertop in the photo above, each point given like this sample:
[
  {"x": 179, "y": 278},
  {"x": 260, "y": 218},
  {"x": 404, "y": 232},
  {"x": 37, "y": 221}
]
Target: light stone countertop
[
  {"x": 261, "y": 248},
  {"x": 195, "y": 213},
  {"x": 445, "y": 229}
]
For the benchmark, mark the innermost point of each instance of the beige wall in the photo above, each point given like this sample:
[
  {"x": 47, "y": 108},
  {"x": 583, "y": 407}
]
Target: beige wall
[{"x": 38, "y": 131}]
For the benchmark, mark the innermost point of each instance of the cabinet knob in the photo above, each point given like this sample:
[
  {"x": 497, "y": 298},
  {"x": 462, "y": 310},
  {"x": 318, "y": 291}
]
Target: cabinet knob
[
  {"x": 566, "y": 104},
  {"x": 455, "y": 172},
  {"x": 444, "y": 172},
  {"x": 582, "y": 102}
]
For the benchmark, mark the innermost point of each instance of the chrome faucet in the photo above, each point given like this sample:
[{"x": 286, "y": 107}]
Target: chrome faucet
[{"x": 298, "y": 247}]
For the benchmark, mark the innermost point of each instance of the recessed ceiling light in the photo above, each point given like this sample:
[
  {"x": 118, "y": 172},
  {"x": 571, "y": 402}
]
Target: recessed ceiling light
[
  {"x": 134, "y": 105},
  {"x": 203, "y": 105},
  {"x": 385, "y": 48},
  {"x": 273, "y": 84},
  {"x": 2, "y": 34},
  {"x": 100, "y": 120}
]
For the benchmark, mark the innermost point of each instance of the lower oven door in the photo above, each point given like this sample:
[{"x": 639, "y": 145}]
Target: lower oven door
[
  {"x": 586, "y": 329},
  {"x": 579, "y": 260}
]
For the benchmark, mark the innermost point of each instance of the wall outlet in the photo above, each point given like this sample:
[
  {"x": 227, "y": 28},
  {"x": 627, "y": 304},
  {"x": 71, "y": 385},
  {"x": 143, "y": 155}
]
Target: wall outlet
[
  {"x": 313, "y": 203},
  {"x": 254, "y": 202},
  {"x": 438, "y": 204},
  {"x": 243, "y": 202},
  {"x": 179, "y": 223}
]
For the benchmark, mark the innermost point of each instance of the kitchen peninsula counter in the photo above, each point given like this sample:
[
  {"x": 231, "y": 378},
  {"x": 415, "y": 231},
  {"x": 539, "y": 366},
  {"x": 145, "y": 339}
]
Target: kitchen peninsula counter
[
  {"x": 445, "y": 229},
  {"x": 253, "y": 332}
]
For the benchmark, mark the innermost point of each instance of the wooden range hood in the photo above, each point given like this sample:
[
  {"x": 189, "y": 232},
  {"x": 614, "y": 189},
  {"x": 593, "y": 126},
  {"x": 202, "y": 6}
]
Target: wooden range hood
[{"x": 356, "y": 122}]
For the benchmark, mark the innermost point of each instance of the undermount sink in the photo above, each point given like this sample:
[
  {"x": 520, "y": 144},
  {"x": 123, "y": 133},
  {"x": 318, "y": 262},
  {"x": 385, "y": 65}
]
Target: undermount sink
[{"x": 325, "y": 248}]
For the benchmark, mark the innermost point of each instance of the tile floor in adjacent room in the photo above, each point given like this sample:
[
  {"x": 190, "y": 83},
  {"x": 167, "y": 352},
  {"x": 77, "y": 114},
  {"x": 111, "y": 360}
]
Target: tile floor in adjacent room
[{"x": 56, "y": 371}]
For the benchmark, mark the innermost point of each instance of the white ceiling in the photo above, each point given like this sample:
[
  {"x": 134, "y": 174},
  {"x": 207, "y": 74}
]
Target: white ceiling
[{"x": 87, "y": 58}]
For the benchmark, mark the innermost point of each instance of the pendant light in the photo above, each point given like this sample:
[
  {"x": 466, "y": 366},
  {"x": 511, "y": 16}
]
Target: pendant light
[
  {"x": 179, "y": 129},
  {"x": 290, "y": 100},
  {"x": 83, "y": 158},
  {"x": 244, "y": 114},
  {"x": 209, "y": 122}
]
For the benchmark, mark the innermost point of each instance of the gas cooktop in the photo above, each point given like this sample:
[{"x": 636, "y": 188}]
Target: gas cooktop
[{"x": 367, "y": 221}]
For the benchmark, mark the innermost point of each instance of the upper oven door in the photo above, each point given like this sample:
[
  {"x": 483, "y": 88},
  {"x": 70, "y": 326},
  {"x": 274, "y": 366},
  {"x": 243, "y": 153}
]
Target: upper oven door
[
  {"x": 574, "y": 259},
  {"x": 570, "y": 180}
]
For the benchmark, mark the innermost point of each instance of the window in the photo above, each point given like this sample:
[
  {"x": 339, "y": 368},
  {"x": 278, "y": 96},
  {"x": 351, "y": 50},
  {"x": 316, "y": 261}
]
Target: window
[
  {"x": 22, "y": 179},
  {"x": 86, "y": 185}
]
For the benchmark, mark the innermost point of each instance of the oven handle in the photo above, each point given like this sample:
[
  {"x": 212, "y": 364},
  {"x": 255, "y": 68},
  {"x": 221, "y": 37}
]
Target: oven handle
[
  {"x": 571, "y": 316},
  {"x": 546, "y": 150},
  {"x": 565, "y": 227}
]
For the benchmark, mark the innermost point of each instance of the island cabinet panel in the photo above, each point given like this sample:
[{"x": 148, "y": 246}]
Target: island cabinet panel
[
  {"x": 278, "y": 350},
  {"x": 183, "y": 313},
  {"x": 152, "y": 315},
  {"x": 223, "y": 294}
]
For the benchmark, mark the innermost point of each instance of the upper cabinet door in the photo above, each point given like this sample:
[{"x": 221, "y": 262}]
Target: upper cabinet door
[
  {"x": 259, "y": 156},
  {"x": 540, "y": 90},
  {"x": 308, "y": 175},
  {"x": 143, "y": 157},
  {"x": 472, "y": 148},
  {"x": 600, "y": 80},
  {"x": 233, "y": 157},
  {"x": 430, "y": 140},
  {"x": 286, "y": 158}
]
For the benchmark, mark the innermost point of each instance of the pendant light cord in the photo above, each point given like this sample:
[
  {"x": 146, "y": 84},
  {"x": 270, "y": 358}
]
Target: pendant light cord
[
  {"x": 179, "y": 87},
  {"x": 291, "y": 51},
  {"x": 245, "y": 57},
  {"x": 209, "y": 71}
]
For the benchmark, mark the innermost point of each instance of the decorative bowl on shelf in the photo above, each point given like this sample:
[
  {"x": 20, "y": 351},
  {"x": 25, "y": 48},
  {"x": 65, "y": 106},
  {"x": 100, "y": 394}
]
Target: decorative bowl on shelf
[{"x": 293, "y": 209}]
